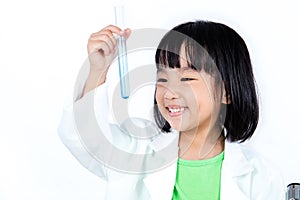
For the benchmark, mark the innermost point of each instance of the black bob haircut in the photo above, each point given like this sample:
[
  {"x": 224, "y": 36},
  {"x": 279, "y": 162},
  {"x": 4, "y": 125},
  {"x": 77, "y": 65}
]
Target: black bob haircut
[{"x": 217, "y": 49}]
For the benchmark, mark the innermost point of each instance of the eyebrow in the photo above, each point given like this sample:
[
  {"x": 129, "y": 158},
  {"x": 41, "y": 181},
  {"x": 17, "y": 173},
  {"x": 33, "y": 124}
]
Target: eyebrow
[{"x": 181, "y": 69}]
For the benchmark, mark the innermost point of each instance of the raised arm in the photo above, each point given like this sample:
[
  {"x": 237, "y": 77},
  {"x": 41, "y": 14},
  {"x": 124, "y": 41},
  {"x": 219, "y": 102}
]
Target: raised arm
[{"x": 77, "y": 117}]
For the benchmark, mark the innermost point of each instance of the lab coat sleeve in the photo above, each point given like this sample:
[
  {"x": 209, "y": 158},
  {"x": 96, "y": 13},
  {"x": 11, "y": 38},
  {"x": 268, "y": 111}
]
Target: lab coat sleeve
[{"x": 68, "y": 128}]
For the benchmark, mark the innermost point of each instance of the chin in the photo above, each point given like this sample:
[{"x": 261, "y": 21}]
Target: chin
[
  {"x": 178, "y": 127},
  {"x": 191, "y": 130},
  {"x": 180, "y": 124}
]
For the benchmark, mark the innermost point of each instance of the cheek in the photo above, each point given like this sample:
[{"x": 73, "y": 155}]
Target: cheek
[
  {"x": 200, "y": 99},
  {"x": 159, "y": 95},
  {"x": 193, "y": 95}
]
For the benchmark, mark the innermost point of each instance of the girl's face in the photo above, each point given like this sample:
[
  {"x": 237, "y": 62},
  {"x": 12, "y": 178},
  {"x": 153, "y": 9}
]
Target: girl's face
[{"x": 187, "y": 98}]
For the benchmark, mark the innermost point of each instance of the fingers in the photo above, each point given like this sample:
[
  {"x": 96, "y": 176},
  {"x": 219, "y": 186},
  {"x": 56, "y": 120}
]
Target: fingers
[
  {"x": 105, "y": 40},
  {"x": 127, "y": 32},
  {"x": 118, "y": 31}
]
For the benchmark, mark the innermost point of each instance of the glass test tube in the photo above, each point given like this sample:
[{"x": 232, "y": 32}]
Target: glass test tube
[{"x": 122, "y": 54}]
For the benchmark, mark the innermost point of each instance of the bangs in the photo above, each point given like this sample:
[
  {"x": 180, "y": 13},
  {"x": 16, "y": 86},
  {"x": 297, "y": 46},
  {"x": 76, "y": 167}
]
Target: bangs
[
  {"x": 170, "y": 57},
  {"x": 169, "y": 50},
  {"x": 169, "y": 54},
  {"x": 176, "y": 46}
]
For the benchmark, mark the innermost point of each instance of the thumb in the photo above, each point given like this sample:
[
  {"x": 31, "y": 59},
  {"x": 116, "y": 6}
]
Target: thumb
[{"x": 127, "y": 32}]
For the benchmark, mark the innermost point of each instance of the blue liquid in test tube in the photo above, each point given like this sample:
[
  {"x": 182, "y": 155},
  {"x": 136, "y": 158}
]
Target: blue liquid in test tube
[{"x": 122, "y": 54}]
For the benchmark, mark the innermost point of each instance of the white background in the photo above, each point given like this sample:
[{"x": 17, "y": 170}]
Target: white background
[{"x": 42, "y": 47}]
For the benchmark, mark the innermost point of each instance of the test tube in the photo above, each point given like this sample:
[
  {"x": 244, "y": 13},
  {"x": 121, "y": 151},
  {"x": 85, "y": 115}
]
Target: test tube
[{"x": 122, "y": 53}]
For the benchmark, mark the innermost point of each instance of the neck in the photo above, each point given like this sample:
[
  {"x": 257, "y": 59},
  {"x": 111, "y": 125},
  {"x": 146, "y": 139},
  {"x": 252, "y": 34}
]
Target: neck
[{"x": 200, "y": 145}]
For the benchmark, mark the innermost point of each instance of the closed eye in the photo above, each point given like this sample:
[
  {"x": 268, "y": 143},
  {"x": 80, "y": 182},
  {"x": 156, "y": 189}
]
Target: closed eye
[
  {"x": 161, "y": 80},
  {"x": 187, "y": 79}
]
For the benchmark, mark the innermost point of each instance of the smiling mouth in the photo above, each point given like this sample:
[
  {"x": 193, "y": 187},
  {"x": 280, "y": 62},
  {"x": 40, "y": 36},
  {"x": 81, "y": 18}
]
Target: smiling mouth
[{"x": 175, "y": 110}]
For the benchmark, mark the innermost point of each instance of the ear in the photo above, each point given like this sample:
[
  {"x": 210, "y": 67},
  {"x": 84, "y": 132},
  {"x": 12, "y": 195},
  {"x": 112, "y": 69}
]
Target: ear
[{"x": 226, "y": 99}]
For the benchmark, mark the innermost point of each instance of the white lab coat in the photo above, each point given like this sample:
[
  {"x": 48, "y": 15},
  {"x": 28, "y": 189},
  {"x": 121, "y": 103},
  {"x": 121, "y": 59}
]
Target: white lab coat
[{"x": 245, "y": 175}]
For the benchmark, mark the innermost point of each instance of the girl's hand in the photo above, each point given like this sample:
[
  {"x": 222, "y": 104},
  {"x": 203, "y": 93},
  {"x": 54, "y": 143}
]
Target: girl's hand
[
  {"x": 102, "y": 50},
  {"x": 102, "y": 47}
]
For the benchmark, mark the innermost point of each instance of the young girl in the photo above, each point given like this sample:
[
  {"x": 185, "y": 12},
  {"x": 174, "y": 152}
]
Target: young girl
[{"x": 205, "y": 103}]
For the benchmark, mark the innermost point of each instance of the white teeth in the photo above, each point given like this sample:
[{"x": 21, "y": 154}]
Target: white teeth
[{"x": 175, "y": 110}]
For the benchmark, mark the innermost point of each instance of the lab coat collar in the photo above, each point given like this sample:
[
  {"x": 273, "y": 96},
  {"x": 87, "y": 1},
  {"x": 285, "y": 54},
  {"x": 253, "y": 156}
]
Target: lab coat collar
[
  {"x": 160, "y": 184},
  {"x": 235, "y": 165},
  {"x": 235, "y": 168},
  {"x": 235, "y": 160}
]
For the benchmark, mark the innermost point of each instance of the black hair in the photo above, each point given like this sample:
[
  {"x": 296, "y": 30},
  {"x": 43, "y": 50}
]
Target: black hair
[{"x": 221, "y": 52}]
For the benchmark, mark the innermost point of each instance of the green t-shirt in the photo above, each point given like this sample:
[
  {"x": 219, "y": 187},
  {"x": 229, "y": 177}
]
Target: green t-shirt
[{"x": 198, "y": 179}]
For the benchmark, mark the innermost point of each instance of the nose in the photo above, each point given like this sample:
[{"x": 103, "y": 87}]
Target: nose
[{"x": 171, "y": 94}]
